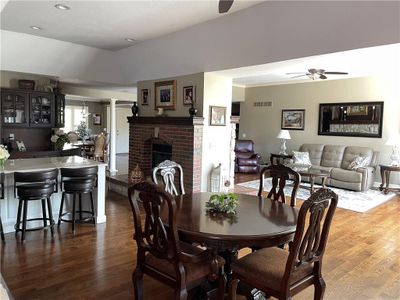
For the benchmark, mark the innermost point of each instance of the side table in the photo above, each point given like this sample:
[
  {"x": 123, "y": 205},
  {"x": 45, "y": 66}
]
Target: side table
[
  {"x": 277, "y": 159},
  {"x": 385, "y": 175}
]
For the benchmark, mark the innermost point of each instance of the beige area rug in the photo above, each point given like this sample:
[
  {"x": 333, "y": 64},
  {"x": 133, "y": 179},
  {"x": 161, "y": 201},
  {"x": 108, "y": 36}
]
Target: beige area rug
[{"x": 355, "y": 201}]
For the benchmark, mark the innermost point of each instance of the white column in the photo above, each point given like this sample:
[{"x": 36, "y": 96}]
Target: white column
[{"x": 113, "y": 136}]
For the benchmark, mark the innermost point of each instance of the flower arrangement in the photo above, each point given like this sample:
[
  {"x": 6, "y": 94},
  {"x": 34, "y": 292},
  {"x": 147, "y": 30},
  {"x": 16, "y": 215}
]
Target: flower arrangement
[
  {"x": 59, "y": 138},
  {"x": 4, "y": 155},
  {"x": 222, "y": 203},
  {"x": 83, "y": 131}
]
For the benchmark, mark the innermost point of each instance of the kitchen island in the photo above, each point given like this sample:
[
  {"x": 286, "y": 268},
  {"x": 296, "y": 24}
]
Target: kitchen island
[{"x": 9, "y": 205}]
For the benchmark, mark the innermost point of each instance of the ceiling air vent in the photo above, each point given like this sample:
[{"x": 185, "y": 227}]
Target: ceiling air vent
[{"x": 262, "y": 103}]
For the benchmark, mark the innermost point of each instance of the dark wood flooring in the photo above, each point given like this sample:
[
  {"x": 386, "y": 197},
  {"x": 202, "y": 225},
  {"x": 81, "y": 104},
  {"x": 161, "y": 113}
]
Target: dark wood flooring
[{"x": 362, "y": 260}]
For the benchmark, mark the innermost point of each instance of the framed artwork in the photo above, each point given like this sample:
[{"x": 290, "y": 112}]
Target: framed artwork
[
  {"x": 145, "y": 94},
  {"x": 165, "y": 94},
  {"x": 189, "y": 95},
  {"x": 357, "y": 110},
  {"x": 97, "y": 118},
  {"x": 293, "y": 119},
  {"x": 217, "y": 116}
]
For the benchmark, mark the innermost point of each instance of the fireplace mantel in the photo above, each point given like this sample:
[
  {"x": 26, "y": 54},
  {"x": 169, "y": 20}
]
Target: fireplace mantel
[{"x": 167, "y": 120}]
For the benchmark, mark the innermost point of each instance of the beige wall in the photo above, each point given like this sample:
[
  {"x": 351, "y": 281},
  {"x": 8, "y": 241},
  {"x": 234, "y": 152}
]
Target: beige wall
[
  {"x": 180, "y": 109},
  {"x": 262, "y": 124},
  {"x": 238, "y": 94}
]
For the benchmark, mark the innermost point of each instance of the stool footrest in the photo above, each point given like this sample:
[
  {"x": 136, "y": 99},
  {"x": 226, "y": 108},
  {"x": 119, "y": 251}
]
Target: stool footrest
[{"x": 18, "y": 228}]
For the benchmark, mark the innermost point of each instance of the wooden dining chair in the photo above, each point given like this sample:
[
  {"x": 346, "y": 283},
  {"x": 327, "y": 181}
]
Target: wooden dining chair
[
  {"x": 281, "y": 273},
  {"x": 97, "y": 152},
  {"x": 280, "y": 174},
  {"x": 160, "y": 254},
  {"x": 167, "y": 169}
]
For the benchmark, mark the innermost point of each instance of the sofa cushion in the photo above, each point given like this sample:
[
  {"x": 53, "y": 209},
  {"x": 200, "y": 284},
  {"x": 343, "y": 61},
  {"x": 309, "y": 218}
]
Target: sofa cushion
[
  {"x": 332, "y": 156},
  {"x": 322, "y": 168},
  {"x": 351, "y": 152},
  {"x": 301, "y": 158},
  {"x": 315, "y": 151},
  {"x": 346, "y": 175}
]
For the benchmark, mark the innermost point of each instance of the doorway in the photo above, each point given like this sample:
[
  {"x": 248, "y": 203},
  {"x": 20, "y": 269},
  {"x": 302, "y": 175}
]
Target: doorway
[{"x": 122, "y": 127}]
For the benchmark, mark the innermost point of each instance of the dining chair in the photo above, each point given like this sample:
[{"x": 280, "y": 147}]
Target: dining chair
[
  {"x": 167, "y": 170},
  {"x": 97, "y": 151},
  {"x": 160, "y": 253},
  {"x": 281, "y": 273},
  {"x": 280, "y": 175}
]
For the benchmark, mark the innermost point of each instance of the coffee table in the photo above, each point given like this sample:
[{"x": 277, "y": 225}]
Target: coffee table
[{"x": 312, "y": 173}]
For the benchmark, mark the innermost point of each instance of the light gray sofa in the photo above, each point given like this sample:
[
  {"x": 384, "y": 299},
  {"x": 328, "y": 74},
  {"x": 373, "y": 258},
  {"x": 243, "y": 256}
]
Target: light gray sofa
[{"x": 336, "y": 158}]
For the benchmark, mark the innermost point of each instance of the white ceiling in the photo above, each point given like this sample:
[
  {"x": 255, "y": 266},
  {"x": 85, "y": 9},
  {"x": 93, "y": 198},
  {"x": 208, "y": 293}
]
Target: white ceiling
[
  {"x": 358, "y": 63},
  {"x": 106, "y": 24}
]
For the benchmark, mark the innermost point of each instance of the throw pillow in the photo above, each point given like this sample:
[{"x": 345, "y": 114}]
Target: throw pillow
[
  {"x": 301, "y": 158},
  {"x": 358, "y": 162}
]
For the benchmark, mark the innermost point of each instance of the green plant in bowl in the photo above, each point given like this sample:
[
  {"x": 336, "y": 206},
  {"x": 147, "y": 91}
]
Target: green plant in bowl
[{"x": 222, "y": 203}]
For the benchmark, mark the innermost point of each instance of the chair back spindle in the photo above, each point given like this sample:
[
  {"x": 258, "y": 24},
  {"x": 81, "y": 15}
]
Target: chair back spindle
[{"x": 167, "y": 169}]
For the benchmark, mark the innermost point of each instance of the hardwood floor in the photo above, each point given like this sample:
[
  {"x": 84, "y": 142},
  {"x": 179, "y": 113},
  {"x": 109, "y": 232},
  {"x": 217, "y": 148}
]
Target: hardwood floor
[{"x": 362, "y": 259}]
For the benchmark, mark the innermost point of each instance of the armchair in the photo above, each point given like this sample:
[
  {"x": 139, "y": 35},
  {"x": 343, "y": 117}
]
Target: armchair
[{"x": 246, "y": 160}]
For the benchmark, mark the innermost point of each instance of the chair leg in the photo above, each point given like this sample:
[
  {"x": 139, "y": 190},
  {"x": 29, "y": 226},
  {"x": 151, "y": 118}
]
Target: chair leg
[
  {"x": 50, "y": 216},
  {"x": 137, "y": 279},
  {"x": 24, "y": 220},
  {"x": 1, "y": 231},
  {"x": 181, "y": 294},
  {"x": 61, "y": 208},
  {"x": 92, "y": 206},
  {"x": 73, "y": 213},
  {"x": 44, "y": 213},
  {"x": 319, "y": 287},
  {"x": 232, "y": 288},
  {"x": 17, "y": 224},
  {"x": 80, "y": 206},
  {"x": 221, "y": 284}
]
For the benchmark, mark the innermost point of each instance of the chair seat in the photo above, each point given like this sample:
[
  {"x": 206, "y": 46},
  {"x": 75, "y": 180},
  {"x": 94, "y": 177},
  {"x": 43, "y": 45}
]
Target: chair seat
[
  {"x": 194, "y": 271},
  {"x": 267, "y": 267}
]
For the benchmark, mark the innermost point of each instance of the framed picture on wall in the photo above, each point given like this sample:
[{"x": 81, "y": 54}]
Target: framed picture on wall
[
  {"x": 97, "y": 119},
  {"x": 189, "y": 95},
  {"x": 293, "y": 119},
  {"x": 165, "y": 94},
  {"x": 145, "y": 94},
  {"x": 217, "y": 116}
]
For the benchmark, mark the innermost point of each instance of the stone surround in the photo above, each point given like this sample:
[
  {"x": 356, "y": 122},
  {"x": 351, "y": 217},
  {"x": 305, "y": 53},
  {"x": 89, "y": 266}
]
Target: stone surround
[{"x": 184, "y": 134}]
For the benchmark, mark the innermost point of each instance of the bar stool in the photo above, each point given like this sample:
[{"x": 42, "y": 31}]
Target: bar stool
[
  {"x": 77, "y": 182},
  {"x": 33, "y": 186}
]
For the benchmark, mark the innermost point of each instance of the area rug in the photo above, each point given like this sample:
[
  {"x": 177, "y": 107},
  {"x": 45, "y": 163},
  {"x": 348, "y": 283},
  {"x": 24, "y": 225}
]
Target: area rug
[{"x": 355, "y": 201}]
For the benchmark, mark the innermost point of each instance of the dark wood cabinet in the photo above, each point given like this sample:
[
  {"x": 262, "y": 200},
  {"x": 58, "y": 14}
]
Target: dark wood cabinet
[
  {"x": 41, "y": 109},
  {"x": 60, "y": 110},
  {"x": 14, "y": 108}
]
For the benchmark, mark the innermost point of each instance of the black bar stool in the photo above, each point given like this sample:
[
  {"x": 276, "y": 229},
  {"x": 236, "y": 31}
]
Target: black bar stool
[
  {"x": 32, "y": 186},
  {"x": 77, "y": 182}
]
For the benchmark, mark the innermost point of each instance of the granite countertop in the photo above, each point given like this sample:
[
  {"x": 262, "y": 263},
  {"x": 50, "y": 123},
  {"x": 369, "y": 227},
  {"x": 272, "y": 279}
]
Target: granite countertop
[{"x": 45, "y": 163}]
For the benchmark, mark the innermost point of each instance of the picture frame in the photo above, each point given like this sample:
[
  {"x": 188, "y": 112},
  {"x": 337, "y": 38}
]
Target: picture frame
[
  {"x": 189, "y": 95},
  {"x": 26, "y": 84},
  {"x": 165, "y": 95},
  {"x": 293, "y": 119},
  {"x": 144, "y": 96},
  {"x": 97, "y": 119},
  {"x": 217, "y": 116}
]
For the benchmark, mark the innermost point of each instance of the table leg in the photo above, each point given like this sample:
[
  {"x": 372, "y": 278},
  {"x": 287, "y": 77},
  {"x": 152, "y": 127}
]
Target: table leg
[
  {"x": 387, "y": 178},
  {"x": 312, "y": 184},
  {"x": 383, "y": 179},
  {"x": 323, "y": 181}
]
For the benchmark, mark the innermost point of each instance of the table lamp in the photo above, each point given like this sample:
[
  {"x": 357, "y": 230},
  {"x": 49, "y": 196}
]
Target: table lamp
[
  {"x": 283, "y": 135},
  {"x": 394, "y": 140}
]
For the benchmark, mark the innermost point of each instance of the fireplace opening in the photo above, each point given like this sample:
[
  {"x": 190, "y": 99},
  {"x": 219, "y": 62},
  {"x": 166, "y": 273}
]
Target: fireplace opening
[{"x": 159, "y": 153}]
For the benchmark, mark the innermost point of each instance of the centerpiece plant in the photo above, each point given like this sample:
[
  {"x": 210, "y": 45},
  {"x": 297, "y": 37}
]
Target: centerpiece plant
[
  {"x": 59, "y": 139},
  {"x": 222, "y": 203}
]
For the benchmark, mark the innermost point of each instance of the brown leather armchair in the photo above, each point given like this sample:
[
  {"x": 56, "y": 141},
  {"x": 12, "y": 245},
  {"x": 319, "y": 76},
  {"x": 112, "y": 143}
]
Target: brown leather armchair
[{"x": 246, "y": 160}]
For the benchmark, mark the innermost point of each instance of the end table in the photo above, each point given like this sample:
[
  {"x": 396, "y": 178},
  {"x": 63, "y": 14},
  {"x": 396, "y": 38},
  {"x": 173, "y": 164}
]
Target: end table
[{"x": 385, "y": 175}]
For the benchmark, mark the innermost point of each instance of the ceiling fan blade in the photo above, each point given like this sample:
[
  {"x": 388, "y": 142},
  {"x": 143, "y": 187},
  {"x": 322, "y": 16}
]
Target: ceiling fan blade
[
  {"x": 224, "y": 6},
  {"x": 322, "y": 76},
  {"x": 292, "y": 73},
  {"x": 299, "y": 75},
  {"x": 337, "y": 73}
]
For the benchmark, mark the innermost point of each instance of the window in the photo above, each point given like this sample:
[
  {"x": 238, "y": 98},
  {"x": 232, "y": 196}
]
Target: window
[{"x": 73, "y": 116}]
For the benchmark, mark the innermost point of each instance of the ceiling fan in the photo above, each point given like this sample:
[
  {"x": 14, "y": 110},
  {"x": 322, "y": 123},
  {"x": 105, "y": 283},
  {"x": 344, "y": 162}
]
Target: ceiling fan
[
  {"x": 224, "y": 6},
  {"x": 316, "y": 73}
]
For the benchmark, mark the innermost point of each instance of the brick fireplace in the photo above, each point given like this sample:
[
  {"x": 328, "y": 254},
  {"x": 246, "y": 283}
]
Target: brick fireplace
[{"x": 177, "y": 137}]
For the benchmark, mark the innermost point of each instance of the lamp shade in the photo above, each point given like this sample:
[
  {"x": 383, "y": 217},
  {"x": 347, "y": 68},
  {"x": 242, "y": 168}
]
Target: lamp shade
[
  {"x": 393, "y": 140},
  {"x": 283, "y": 134}
]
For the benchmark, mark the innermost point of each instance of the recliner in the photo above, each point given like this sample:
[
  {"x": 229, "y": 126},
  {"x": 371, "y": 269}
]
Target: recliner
[{"x": 246, "y": 160}]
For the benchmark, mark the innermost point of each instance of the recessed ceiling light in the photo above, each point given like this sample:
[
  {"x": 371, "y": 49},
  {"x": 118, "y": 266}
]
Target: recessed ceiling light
[
  {"x": 62, "y": 7},
  {"x": 130, "y": 40},
  {"x": 36, "y": 27}
]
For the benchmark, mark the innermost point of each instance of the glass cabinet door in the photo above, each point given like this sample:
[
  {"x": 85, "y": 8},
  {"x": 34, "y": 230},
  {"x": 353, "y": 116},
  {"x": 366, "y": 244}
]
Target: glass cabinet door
[
  {"x": 14, "y": 110},
  {"x": 60, "y": 110},
  {"x": 41, "y": 108}
]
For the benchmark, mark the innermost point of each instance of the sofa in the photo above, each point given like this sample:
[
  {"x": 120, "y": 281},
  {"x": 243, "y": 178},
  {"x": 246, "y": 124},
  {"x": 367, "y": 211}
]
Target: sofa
[
  {"x": 336, "y": 160},
  {"x": 246, "y": 160}
]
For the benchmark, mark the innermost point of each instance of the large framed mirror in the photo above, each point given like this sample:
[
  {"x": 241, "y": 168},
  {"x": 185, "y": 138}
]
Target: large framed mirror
[{"x": 360, "y": 119}]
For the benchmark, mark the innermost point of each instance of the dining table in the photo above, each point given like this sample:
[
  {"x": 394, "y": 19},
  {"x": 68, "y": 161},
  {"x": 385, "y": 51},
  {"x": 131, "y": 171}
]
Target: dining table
[{"x": 259, "y": 222}]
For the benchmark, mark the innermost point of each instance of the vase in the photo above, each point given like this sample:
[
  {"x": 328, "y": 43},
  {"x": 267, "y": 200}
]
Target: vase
[
  {"x": 135, "y": 109},
  {"x": 192, "y": 111}
]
